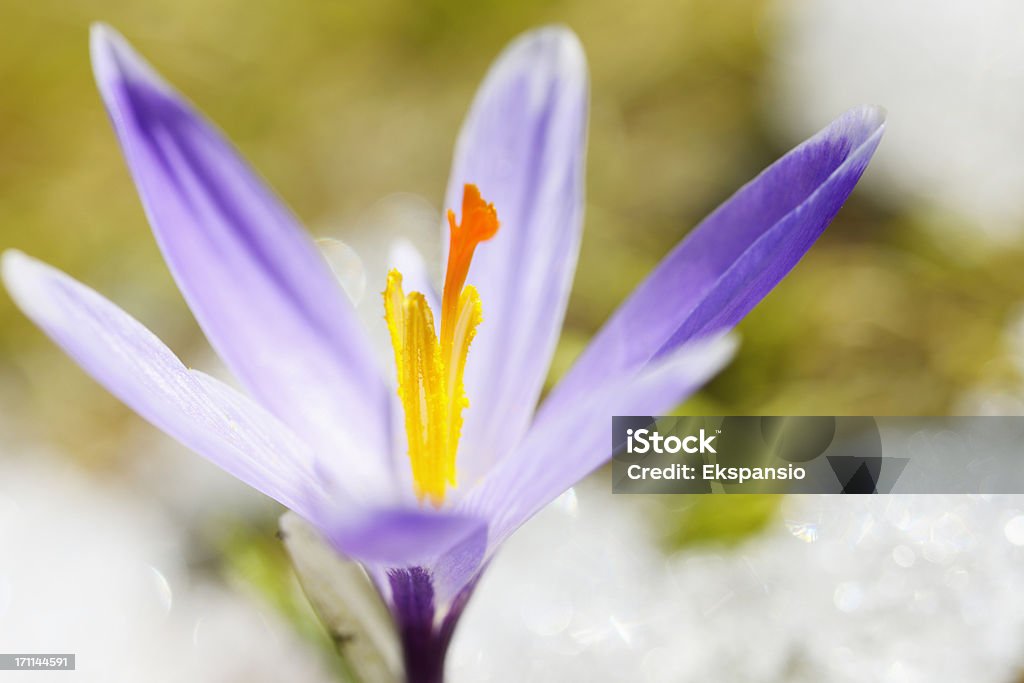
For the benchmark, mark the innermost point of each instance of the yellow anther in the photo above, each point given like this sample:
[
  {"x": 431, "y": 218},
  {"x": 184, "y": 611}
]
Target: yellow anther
[{"x": 431, "y": 367}]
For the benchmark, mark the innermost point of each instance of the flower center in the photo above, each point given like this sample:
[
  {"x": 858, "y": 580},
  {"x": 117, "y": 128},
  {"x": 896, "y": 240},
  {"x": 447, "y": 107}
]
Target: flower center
[{"x": 430, "y": 367}]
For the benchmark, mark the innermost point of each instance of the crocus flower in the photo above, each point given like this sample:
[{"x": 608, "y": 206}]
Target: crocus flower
[{"x": 423, "y": 484}]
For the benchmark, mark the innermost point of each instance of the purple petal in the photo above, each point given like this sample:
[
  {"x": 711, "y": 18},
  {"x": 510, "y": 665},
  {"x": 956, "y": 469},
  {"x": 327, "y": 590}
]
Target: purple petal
[
  {"x": 453, "y": 558},
  {"x": 715, "y": 276},
  {"x": 523, "y": 145},
  {"x": 395, "y": 536},
  {"x": 203, "y": 414},
  {"x": 561, "y": 451},
  {"x": 259, "y": 288}
]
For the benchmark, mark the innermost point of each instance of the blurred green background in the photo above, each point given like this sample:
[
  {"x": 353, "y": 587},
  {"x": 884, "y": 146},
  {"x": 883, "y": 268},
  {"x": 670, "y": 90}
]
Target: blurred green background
[{"x": 339, "y": 104}]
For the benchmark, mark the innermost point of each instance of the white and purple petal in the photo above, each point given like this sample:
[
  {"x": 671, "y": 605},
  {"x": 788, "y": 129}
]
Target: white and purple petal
[
  {"x": 202, "y": 413},
  {"x": 395, "y": 536},
  {"x": 256, "y": 283},
  {"x": 722, "y": 269},
  {"x": 523, "y": 144}
]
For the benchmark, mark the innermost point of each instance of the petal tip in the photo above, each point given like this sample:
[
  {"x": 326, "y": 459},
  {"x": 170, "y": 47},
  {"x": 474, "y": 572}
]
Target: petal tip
[
  {"x": 560, "y": 37},
  {"x": 114, "y": 60},
  {"x": 715, "y": 350},
  {"x": 101, "y": 34},
  {"x": 555, "y": 48},
  {"x": 25, "y": 279},
  {"x": 11, "y": 256},
  {"x": 13, "y": 266},
  {"x": 858, "y": 125},
  {"x": 102, "y": 51},
  {"x": 872, "y": 116},
  {"x": 879, "y": 112}
]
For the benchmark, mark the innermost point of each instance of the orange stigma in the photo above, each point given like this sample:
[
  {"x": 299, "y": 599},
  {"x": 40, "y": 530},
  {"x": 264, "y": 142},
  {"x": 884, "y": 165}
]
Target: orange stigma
[
  {"x": 431, "y": 367},
  {"x": 479, "y": 223}
]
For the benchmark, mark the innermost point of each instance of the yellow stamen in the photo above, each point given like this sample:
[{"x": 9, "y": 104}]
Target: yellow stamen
[{"x": 431, "y": 367}]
